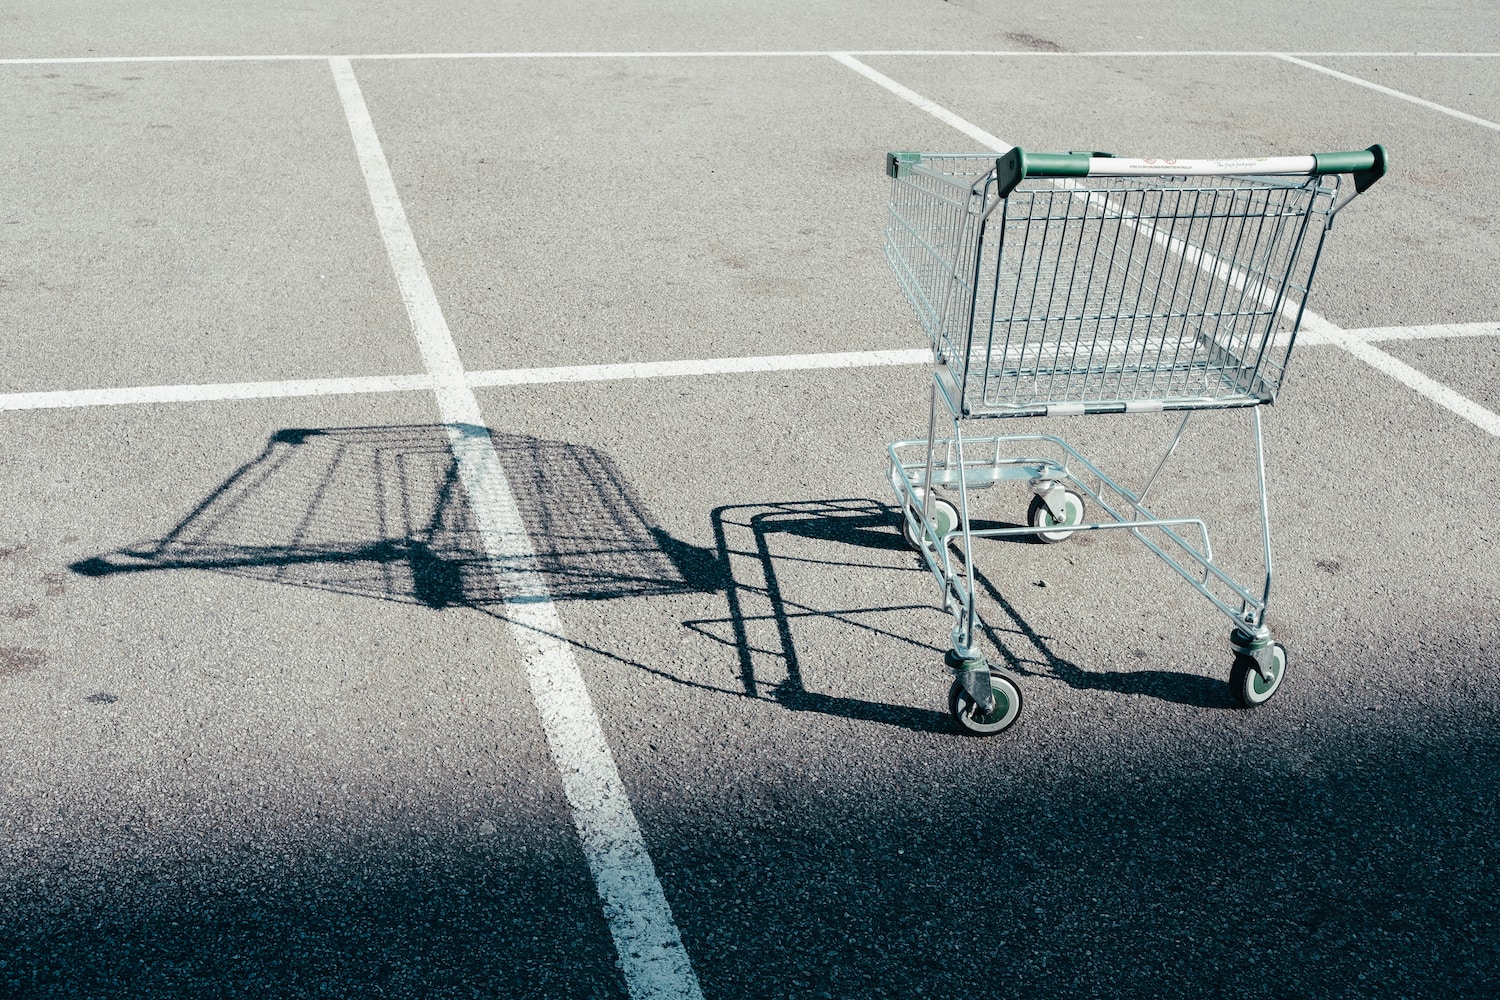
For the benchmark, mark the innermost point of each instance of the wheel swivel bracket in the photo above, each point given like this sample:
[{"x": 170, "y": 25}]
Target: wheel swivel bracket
[
  {"x": 1258, "y": 647},
  {"x": 1054, "y": 495},
  {"x": 974, "y": 677}
]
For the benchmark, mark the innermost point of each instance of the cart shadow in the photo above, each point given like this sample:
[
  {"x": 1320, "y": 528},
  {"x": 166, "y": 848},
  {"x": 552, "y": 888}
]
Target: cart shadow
[
  {"x": 382, "y": 512},
  {"x": 764, "y": 621},
  {"x": 769, "y": 613},
  {"x": 1164, "y": 685}
]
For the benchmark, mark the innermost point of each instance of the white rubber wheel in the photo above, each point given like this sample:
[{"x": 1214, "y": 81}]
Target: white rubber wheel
[
  {"x": 1007, "y": 706},
  {"x": 1250, "y": 689},
  {"x": 1039, "y": 516},
  {"x": 944, "y": 516}
]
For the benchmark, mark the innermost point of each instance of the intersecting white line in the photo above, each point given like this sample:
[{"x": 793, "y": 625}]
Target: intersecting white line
[
  {"x": 503, "y": 377},
  {"x": 934, "y": 109},
  {"x": 653, "y": 960},
  {"x": 224, "y": 391},
  {"x": 1422, "y": 384},
  {"x": 1438, "y": 331},
  {"x": 1391, "y": 92},
  {"x": 751, "y": 54},
  {"x": 1316, "y": 329}
]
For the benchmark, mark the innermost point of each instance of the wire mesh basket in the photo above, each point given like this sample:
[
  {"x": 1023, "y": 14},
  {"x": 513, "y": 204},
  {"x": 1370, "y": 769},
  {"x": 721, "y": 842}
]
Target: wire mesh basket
[{"x": 1105, "y": 293}]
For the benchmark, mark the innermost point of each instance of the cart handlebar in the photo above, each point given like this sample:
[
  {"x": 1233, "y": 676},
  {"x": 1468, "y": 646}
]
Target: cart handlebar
[{"x": 1014, "y": 166}]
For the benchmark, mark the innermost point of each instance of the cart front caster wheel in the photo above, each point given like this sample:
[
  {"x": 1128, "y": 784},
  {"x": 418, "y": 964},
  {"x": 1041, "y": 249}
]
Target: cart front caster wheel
[
  {"x": 966, "y": 713},
  {"x": 944, "y": 516},
  {"x": 1249, "y": 688},
  {"x": 1040, "y": 517}
]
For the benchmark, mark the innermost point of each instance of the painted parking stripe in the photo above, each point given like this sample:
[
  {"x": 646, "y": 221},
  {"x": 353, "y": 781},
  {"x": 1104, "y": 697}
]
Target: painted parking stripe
[
  {"x": 211, "y": 392},
  {"x": 1439, "y": 331},
  {"x": 758, "y": 54},
  {"x": 713, "y": 366},
  {"x": 934, "y": 109},
  {"x": 229, "y": 391},
  {"x": 291, "y": 388},
  {"x": 653, "y": 960},
  {"x": 1408, "y": 376},
  {"x": 1390, "y": 92}
]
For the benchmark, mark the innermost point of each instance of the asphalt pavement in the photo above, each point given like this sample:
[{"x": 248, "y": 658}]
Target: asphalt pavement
[{"x": 268, "y": 726}]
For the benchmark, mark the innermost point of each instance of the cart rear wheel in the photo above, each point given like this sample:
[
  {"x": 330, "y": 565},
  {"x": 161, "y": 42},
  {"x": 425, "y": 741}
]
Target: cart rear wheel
[
  {"x": 970, "y": 720},
  {"x": 1249, "y": 688},
  {"x": 944, "y": 516},
  {"x": 1038, "y": 516}
]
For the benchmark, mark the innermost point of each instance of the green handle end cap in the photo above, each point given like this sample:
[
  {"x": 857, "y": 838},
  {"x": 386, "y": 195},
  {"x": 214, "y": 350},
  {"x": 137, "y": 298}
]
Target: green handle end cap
[
  {"x": 893, "y": 162},
  {"x": 1364, "y": 178},
  {"x": 1367, "y": 165},
  {"x": 1010, "y": 170}
]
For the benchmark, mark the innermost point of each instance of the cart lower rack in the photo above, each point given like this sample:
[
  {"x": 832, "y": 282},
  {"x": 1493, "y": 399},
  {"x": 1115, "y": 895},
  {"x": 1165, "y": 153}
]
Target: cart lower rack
[{"x": 1082, "y": 283}]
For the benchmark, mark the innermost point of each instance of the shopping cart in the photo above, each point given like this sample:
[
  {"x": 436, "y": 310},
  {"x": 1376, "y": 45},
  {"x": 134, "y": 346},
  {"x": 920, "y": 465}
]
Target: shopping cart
[{"x": 1083, "y": 283}]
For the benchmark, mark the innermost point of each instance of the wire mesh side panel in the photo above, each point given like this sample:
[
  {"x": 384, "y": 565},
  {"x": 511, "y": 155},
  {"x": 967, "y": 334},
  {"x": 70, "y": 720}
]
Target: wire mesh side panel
[
  {"x": 933, "y": 240},
  {"x": 1113, "y": 291}
]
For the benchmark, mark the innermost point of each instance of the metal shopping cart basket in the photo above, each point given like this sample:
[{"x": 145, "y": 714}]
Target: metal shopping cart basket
[{"x": 1083, "y": 283}]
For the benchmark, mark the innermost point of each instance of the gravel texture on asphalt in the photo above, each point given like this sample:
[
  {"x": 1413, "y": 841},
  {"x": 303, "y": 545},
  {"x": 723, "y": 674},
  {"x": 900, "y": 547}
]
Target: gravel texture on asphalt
[{"x": 265, "y": 731}]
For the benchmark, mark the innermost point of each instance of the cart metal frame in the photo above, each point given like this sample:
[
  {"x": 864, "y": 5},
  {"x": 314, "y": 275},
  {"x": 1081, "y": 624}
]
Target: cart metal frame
[{"x": 1083, "y": 284}]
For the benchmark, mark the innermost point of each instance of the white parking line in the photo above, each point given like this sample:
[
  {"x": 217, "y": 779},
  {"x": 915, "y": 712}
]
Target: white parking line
[
  {"x": 212, "y": 392},
  {"x": 1439, "y": 331},
  {"x": 85, "y": 60},
  {"x": 934, "y": 109},
  {"x": 445, "y": 374},
  {"x": 712, "y": 366},
  {"x": 217, "y": 391},
  {"x": 228, "y": 391},
  {"x": 1389, "y": 92},
  {"x": 653, "y": 960},
  {"x": 757, "y": 54},
  {"x": 1404, "y": 373}
]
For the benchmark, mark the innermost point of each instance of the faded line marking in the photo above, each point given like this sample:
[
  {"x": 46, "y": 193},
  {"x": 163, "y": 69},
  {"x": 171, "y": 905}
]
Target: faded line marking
[
  {"x": 752, "y": 54},
  {"x": 715, "y": 366},
  {"x": 212, "y": 392},
  {"x": 1390, "y": 92},
  {"x": 654, "y": 963},
  {"x": 934, "y": 109},
  {"x": 224, "y": 391},
  {"x": 1438, "y": 331}
]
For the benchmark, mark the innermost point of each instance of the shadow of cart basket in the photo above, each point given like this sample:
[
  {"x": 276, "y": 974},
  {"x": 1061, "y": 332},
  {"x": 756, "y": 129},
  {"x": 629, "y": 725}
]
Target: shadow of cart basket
[{"x": 381, "y": 512}]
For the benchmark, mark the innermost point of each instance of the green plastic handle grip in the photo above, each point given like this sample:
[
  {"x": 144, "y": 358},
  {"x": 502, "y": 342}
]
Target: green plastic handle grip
[{"x": 1367, "y": 165}]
